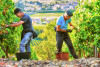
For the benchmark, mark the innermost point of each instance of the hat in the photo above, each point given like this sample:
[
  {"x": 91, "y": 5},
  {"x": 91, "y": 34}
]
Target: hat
[{"x": 69, "y": 13}]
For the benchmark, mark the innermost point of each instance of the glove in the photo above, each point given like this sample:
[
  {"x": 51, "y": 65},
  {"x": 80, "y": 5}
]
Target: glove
[{"x": 69, "y": 30}]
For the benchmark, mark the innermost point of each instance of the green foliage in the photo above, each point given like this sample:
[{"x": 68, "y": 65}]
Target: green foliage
[
  {"x": 47, "y": 48},
  {"x": 47, "y": 15},
  {"x": 86, "y": 18},
  {"x": 11, "y": 38},
  {"x": 46, "y": 11},
  {"x": 33, "y": 53},
  {"x": 36, "y": 42},
  {"x": 39, "y": 29},
  {"x": 1, "y": 53}
]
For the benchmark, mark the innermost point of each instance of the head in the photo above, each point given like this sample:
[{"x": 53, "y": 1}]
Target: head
[
  {"x": 68, "y": 14},
  {"x": 18, "y": 12}
]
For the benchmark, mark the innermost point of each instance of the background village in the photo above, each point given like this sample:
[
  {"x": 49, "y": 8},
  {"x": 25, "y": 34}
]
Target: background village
[{"x": 44, "y": 6}]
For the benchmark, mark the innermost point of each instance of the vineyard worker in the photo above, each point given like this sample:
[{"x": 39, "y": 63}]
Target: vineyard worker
[
  {"x": 28, "y": 31},
  {"x": 62, "y": 34}
]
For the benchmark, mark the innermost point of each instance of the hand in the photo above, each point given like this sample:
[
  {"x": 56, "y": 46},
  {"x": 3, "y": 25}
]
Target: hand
[
  {"x": 69, "y": 30},
  {"x": 11, "y": 22},
  {"x": 6, "y": 25},
  {"x": 72, "y": 27}
]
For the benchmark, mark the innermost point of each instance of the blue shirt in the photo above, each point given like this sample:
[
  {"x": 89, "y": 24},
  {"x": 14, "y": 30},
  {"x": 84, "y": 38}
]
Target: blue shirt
[{"x": 62, "y": 23}]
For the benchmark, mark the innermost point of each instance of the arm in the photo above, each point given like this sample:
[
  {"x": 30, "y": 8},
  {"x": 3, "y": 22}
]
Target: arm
[
  {"x": 58, "y": 25},
  {"x": 71, "y": 25},
  {"x": 58, "y": 29},
  {"x": 15, "y": 24}
]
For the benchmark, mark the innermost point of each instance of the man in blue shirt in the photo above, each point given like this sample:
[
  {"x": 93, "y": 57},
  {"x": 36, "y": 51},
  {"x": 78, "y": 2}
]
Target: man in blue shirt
[{"x": 62, "y": 34}]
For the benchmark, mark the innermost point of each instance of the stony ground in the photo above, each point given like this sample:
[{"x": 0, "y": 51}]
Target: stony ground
[{"x": 83, "y": 62}]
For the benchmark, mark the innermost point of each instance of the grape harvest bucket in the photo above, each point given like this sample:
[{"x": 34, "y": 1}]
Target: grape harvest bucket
[
  {"x": 23, "y": 55},
  {"x": 62, "y": 56}
]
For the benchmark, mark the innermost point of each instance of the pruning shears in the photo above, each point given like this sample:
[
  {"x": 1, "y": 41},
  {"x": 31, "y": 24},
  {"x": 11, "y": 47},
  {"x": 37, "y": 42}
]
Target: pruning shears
[{"x": 68, "y": 30}]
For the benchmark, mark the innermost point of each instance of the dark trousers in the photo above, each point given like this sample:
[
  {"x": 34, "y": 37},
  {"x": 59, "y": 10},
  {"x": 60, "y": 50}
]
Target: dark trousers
[{"x": 62, "y": 36}]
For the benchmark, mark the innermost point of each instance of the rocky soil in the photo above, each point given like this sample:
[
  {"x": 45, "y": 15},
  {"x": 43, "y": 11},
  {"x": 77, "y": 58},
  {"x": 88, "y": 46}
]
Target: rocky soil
[{"x": 83, "y": 62}]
